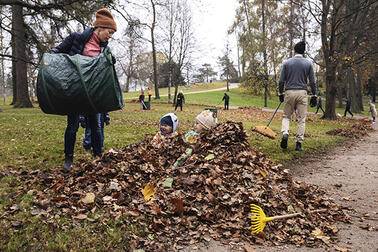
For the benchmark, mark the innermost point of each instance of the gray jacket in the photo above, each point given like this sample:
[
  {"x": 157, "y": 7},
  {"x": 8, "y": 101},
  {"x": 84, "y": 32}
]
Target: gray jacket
[{"x": 295, "y": 73}]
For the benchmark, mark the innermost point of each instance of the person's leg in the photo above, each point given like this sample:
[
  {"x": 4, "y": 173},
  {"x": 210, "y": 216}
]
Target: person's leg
[
  {"x": 87, "y": 143},
  {"x": 345, "y": 112},
  {"x": 181, "y": 106},
  {"x": 317, "y": 109},
  {"x": 322, "y": 109},
  {"x": 70, "y": 138},
  {"x": 227, "y": 105},
  {"x": 350, "y": 112},
  {"x": 287, "y": 112},
  {"x": 176, "y": 105},
  {"x": 301, "y": 100},
  {"x": 95, "y": 126},
  {"x": 102, "y": 118}
]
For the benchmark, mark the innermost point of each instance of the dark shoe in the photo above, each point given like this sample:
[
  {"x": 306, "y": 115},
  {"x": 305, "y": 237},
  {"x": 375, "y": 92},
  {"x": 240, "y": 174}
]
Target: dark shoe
[
  {"x": 68, "y": 161},
  {"x": 285, "y": 137},
  {"x": 298, "y": 147},
  {"x": 87, "y": 149}
]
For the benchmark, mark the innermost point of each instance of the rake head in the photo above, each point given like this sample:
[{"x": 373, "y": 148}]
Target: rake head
[
  {"x": 265, "y": 131},
  {"x": 258, "y": 219}
]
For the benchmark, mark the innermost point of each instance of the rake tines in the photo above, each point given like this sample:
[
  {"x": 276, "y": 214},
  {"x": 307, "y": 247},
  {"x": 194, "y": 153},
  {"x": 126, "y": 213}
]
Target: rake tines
[{"x": 258, "y": 219}]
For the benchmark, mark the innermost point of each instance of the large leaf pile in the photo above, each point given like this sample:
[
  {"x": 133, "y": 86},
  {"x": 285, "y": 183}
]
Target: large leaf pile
[
  {"x": 206, "y": 197},
  {"x": 357, "y": 131}
]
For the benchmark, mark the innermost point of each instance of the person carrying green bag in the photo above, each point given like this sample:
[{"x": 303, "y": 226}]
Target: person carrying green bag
[{"x": 90, "y": 42}]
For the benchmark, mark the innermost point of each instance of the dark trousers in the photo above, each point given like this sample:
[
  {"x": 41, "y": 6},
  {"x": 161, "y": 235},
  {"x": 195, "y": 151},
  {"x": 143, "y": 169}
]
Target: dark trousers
[
  {"x": 226, "y": 103},
  {"x": 178, "y": 104},
  {"x": 149, "y": 98},
  {"x": 317, "y": 109},
  {"x": 87, "y": 141},
  {"x": 347, "y": 110},
  {"x": 70, "y": 134}
]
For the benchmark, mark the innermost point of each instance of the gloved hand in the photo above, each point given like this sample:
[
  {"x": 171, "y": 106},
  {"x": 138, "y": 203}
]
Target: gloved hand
[
  {"x": 107, "y": 119},
  {"x": 313, "y": 101},
  {"x": 282, "y": 97},
  {"x": 82, "y": 121},
  {"x": 114, "y": 60}
]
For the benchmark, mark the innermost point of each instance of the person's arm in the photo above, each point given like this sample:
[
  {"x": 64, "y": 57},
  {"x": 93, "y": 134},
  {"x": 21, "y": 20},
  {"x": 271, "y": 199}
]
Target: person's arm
[
  {"x": 65, "y": 46},
  {"x": 312, "y": 80},
  {"x": 282, "y": 80}
]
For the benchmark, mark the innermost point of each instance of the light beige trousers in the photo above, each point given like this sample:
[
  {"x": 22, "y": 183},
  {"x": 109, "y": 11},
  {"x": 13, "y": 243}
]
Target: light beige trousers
[{"x": 298, "y": 99}]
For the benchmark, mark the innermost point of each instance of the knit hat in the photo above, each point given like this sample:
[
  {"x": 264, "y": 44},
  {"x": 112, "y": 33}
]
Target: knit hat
[
  {"x": 300, "y": 47},
  {"x": 105, "y": 19},
  {"x": 207, "y": 119}
]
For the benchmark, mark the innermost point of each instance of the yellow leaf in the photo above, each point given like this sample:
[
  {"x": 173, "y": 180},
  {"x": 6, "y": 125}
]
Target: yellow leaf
[
  {"x": 89, "y": 198},
  {"x": 148, "y": 192},
  {"x": 210, "y": 157},
  {"x": 192, "y": 140},
  {"x": 262, "y": 173}
]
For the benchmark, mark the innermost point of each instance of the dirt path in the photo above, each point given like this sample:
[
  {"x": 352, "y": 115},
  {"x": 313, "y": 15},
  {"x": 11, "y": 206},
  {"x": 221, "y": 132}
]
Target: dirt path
[{"x": 350, "y": 175}]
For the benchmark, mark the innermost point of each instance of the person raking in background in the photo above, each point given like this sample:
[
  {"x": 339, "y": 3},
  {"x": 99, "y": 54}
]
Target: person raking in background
[
  {"x": 319, "y": 105},
  {"x": 226, "y": 99},
  {"x": 180, "y": 100},
  {"x": 372, "y": 109},
  {"x": 90, "y": 42},
  {"x": 141, "y": 100},
  {"x": 149, "y": 94},
  {"x": 295, "y": 74},
  {"x": 347, "y": 108}
]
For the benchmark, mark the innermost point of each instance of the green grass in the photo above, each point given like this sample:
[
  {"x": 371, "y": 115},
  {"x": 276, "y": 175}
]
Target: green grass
[{"x": 32, "y": 140}]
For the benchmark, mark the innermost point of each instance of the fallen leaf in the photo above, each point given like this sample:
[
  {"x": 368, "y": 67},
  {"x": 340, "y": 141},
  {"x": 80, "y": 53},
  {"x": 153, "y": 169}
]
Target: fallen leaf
[
  {"x": 209, "y": 157},
  {"x": 89, "y": 198},
  {"x": 148, "y": 192},
  {"x": 81, "y": 216},
  {"x": 167, "y": 183}
]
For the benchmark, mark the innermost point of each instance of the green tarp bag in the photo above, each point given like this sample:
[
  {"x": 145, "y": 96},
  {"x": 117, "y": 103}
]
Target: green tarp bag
[{"x": 78, "y": 84}]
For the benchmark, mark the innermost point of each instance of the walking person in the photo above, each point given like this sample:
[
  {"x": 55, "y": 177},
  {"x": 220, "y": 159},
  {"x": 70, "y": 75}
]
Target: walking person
[
  {"x": 90, "y": 42},
  {"x": 141, "y": 100},
  {"x": 319, "y": 105},
  {"x": 180, "y": 100},
  {"x": 226, "y": 99},
  {"x": 372, "y": 109},
  {"x": 296, "y": 73},
  {"x": 347, "y": 108}
]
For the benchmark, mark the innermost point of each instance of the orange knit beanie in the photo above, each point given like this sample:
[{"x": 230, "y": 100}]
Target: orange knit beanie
[{"x": 105, "y": 19}]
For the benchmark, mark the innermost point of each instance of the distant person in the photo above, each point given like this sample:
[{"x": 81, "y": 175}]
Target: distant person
[
  {"x": 149, "y": 94},
  {"x": 141, "y": 100},
  {"x": 180, "y": 100},
  {"x": 373, "y": 111},
  {"x": 347, "y": 108},
  {"x": 319, "y": 105},
  {"x": 90, "y": 42},
  {"x": 226, "y": 99},
  {"x": 296, "y": 73}
]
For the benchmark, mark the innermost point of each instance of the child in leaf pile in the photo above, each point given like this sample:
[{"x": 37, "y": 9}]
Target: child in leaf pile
[
  {"x": 206, "y": 120},
  {"x": 167, "y": 126}
]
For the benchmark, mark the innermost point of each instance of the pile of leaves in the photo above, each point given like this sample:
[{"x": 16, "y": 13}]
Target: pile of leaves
[
  {"x": 206, "y": 197},
  {"x": 357, "y": 131}
]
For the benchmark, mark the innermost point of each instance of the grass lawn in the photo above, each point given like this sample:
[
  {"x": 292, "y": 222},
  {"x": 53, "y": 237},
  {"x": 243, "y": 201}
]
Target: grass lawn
[{"x": 31, "y": 140}]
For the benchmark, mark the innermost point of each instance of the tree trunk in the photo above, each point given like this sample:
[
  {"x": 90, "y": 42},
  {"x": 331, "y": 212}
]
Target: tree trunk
[
  {"x": 359, "y": 89},
  {"x": 23, "y": 100},
  {"x": 352, "y": 90},
  {"x": 330, "y": 106},
  {"x": 156, "y": 81},
  {"x": 264, "y": 54}
]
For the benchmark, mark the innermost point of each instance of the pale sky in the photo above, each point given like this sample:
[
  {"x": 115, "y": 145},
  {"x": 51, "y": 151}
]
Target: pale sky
[{"x": 212, "y": 19}]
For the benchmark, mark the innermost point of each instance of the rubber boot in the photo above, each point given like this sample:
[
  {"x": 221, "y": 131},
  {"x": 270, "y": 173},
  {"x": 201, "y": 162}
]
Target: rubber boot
[
  {"x": 68, "y": 161},
  {"x": 285, "y": 137},
  {"x": 298, "y": 147}
]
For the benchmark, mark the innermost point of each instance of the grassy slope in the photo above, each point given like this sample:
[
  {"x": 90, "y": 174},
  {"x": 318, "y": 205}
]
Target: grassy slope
[{"x": 32, "y": 140}]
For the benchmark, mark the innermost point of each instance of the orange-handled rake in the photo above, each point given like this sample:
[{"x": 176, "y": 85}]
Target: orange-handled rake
[{"x": 259, "y": 220}]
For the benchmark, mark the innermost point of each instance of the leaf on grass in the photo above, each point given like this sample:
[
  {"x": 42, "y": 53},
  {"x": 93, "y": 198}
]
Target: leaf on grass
[
  {"x": 262, "y": 173},
  {"x": 89, "y": 198},
  {"x": 178, "y": 206},
  {"x": 81, "y": 217},
  {"x": 168, "y": 183},
  {"x": 148, "y": 192},
  {"x": 210, "y": 157}
]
